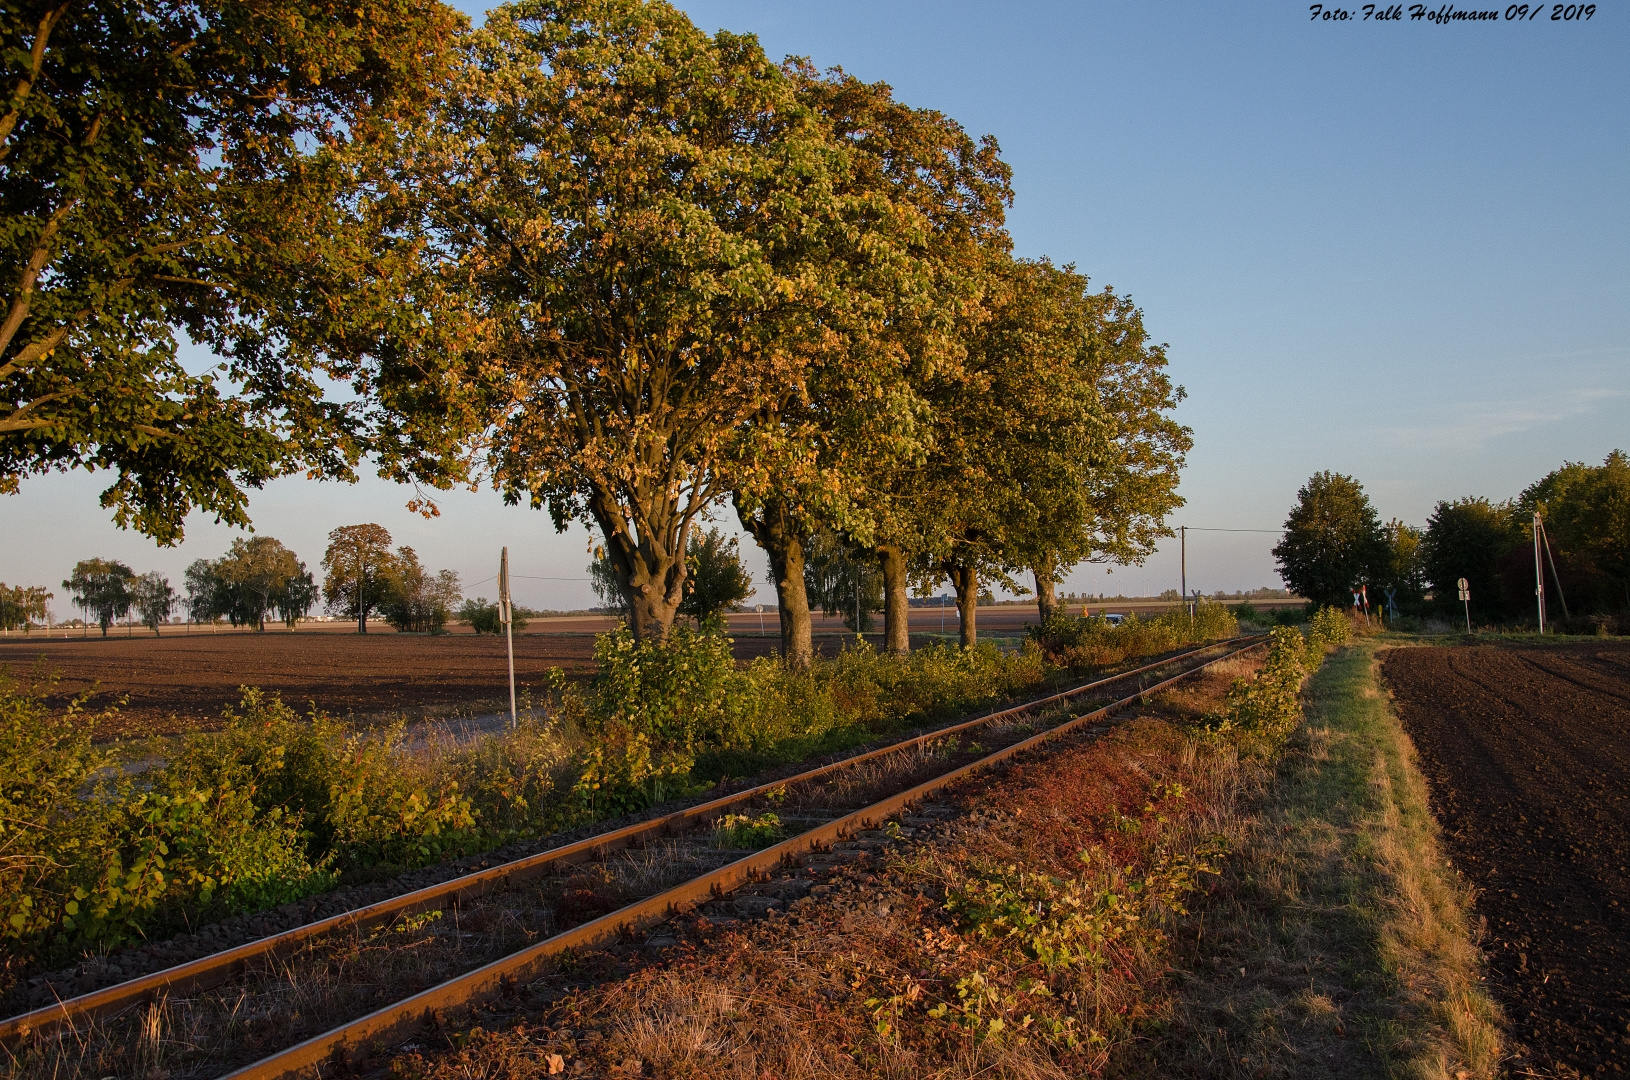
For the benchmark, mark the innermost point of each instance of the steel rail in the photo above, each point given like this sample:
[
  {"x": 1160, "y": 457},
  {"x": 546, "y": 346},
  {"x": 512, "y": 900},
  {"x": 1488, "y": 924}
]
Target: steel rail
[
  {"x": 395, "y": 1024},
  {"x": 211, "y": 970}
]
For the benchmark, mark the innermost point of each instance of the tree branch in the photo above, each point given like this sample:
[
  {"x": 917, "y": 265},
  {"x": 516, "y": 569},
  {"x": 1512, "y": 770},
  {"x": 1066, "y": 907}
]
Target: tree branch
[{"x": 25, "y": 86}]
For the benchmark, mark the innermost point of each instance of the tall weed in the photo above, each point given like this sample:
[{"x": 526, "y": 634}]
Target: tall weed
[{"x": 1081, "y": 641}]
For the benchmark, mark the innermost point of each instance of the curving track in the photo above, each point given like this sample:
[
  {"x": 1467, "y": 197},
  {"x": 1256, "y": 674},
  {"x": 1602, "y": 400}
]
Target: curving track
[{"x": 895, "y": 766}]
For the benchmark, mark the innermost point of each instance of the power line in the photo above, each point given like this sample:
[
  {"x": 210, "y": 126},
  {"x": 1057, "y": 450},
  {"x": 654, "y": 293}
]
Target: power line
[{"x": 1201, "y": 528}]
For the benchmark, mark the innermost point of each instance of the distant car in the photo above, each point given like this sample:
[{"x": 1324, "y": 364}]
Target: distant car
[{"x": 1114, "y": 618}]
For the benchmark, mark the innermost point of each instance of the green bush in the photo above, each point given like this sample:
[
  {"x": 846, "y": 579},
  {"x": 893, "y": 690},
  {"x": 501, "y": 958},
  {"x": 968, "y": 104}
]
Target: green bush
[
  {"x": 88, "y": 858},
  {"x": 1268, "y": 706},
  {"x": 1076, "y": 641},
  {"x": 748, "y": 832}
]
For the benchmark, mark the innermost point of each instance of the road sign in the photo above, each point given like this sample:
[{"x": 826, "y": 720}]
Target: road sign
[{"x": 1464, "y": 584}]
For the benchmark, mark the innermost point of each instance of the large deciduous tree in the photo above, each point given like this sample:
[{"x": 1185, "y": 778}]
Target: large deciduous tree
[
  {"x": 153, "y": 599},
  {"x": 1586, "y": 509},
  {"x": 928, "y": 200},
  {"x": 1332, "y": 541},
  {"x": 637, "y": 220},
  {"x": 1467, "y": 538},
  {"x": 357, "y": 570},
  {"x": 101, "y": 589},
  {"x": 169, "y": 166}
]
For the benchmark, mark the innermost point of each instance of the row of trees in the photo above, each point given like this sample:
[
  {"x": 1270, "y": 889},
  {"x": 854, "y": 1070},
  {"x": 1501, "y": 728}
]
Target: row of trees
[
  {"x": 620, "y": 269},
  {"x": 107, "y": 590},
  {"x": 1334, "y": 541},
  {"x": 259, "y": 578}
]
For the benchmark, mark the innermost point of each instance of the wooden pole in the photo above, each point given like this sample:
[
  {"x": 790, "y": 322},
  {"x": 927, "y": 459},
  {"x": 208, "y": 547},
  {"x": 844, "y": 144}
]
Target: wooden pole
[
  {"x": 1539, "y": 576},
  {"x": 505, "y": 616}
]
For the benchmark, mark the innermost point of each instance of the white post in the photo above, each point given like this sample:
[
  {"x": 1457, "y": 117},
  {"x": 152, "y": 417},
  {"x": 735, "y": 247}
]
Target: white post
[
  {"x": 1183, "y": 563},
  {"x": 1539, "y": 576},
  {"x": 504, "y": 616}
]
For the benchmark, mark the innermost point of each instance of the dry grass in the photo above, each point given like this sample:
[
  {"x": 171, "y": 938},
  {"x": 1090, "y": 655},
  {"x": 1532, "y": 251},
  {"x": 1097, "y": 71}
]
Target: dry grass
[
  {"x": 876, "y": 978},
  {"x": 1340, "y": 945}
]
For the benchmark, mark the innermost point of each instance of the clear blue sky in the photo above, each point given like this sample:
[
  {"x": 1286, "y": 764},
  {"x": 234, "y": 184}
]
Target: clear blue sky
[{"x": 1399, "y": 251}]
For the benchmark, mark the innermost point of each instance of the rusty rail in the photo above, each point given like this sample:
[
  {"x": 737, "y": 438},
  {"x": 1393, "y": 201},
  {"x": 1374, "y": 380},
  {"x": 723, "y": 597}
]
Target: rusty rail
[
  {"x": 397, "y": 1023},
  {"x": 216, "y": 968}
]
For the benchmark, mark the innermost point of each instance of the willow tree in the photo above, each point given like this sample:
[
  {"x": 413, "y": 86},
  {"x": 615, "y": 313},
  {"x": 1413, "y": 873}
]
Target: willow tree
[
  {"x": 169, "y": 167},
  {"x": 635, "y": 217},
  {"x": 922, "y": 197}
]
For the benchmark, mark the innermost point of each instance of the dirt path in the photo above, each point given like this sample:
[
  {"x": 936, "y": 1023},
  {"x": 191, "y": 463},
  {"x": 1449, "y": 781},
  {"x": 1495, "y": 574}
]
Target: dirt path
[{"x": 1528, "y": 754}]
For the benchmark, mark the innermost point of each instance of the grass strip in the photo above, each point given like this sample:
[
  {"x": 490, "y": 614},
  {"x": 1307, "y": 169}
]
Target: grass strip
[{"x": 1339, "y": 944}]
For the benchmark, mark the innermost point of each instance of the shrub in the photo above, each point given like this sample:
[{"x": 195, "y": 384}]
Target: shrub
[
  {"x": 1076, "y": 641},
  {"x": 85, "y": 858},
  {"x": 1268, "y": 706}
]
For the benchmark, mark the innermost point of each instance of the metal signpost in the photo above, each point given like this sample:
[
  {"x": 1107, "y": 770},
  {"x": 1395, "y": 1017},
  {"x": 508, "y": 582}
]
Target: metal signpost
[
  {"x": 1466, "y": 599},
  {"x": 504, "y": 616}
]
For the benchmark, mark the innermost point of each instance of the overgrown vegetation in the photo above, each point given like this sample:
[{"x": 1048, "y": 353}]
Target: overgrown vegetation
[
  {"x": 1338, "y": 943},
  {"x": 277, "y": 805},
  {"x": 1030, "y": 935},
  {"x": 1093, "y": 641}
]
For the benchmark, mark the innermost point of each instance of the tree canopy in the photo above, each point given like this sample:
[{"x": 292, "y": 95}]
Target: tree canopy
[
  {"x": 1332, "y": 542},
  {"x": 153, "y": 155}
]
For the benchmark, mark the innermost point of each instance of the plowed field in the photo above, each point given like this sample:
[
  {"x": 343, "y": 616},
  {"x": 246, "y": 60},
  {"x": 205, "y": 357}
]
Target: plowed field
[
  {"x": 180, "y": 681},
  {"x": 1527, "y": 751}
]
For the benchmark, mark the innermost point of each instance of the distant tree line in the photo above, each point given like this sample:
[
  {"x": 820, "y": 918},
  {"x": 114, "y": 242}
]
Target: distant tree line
[
  {"x": 1334, "y": 542},
  {"x": 256, "y": 579}
]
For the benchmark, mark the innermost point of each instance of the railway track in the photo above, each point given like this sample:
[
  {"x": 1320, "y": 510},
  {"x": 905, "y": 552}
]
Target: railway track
[{"x": 507, "y": 924}]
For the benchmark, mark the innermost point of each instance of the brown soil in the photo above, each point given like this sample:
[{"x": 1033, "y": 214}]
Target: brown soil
[
  {"x": 1528, "y": 755},
  {"x": 180, "y": 681}
]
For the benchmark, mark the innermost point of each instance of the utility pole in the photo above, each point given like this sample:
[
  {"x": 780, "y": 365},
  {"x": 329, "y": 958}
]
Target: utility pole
[
  {"x": 362, "y": 579},
  {"x": 505, "y": 617},
  {"x": 1183, "y": 557},
  {"x": 1539, "y": 575}
]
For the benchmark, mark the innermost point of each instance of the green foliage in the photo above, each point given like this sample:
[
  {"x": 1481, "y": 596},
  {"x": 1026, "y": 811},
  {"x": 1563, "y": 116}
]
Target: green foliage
[
  {"x": 1586, "y": 510},
  {"x": 22, "y": 606},
  {"x": 1059, "y": 923},
  {"x": 152, "y": 158},
  {"x": 152, "y": 598},
  {"x": 842, "y": 581},
  {"x": 1467, "y": 538},
  {"x": 357, "y": 570},
  {"x": 1267, "y": 706},
  {"x": 1333, "y": 541},
  {"x": 254, "y": 578},
  {"x": 1404, "y": 570},
  {"x": 1080, "y": 641},
  {"x": 89, "y": 859},
  {"x": 416, "y": 601},
  {"x": 606, "y": 585},
  {"x": 484, "y": 618},
  {"x": 101, "y": 589},
  {"x": 1328, "y": 629},
  {"x": 715, "y": 579},
  {"x": 750, "y": 832}
]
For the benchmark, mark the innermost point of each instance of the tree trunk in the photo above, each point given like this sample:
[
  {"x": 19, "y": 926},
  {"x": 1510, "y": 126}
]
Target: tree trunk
[
  {"x": 772, "y": 529},
  {"x": 896, "y": 604},
  {"x": 1046, "y": 592},
  {"x": 652, "y": 578},
  {"x": 965, "y": 580}
]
